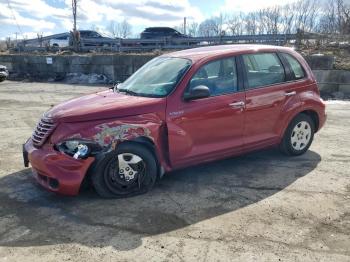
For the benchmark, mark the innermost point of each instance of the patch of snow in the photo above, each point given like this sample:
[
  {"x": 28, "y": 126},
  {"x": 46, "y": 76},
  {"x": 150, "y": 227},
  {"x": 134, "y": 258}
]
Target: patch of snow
[{"x": 337, "y": 102}]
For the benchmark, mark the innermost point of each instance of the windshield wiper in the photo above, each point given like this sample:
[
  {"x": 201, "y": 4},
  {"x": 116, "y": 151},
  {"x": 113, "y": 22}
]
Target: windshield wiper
[{"x": 127, "y": 91}]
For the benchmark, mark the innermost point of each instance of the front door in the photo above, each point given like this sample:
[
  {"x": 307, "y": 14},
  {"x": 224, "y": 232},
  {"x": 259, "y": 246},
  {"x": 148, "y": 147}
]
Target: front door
[{"x": 208, "y": 128}]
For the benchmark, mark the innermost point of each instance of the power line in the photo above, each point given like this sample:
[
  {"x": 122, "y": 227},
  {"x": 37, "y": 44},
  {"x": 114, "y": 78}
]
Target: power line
[{"x": 14, "y": 17}]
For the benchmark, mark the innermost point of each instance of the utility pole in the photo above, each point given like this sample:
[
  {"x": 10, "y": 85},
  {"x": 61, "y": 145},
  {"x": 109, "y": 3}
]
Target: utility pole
[
  {"x": 75, "y": 34},
  {"x": 74, "y": 9},
  {"x": 184, "y": 25}
]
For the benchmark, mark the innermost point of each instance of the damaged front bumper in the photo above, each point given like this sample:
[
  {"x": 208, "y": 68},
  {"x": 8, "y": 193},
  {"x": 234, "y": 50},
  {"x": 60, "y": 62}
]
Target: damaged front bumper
[
  {"x": 54, "y": 170},
  {"x": 3, "y": 75}
]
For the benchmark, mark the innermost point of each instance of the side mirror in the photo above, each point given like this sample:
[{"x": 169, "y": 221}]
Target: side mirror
[{"x": 198, "y": 92}]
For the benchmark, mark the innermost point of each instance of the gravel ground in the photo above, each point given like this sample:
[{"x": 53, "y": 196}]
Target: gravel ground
[{"x": 258, "y": 207}]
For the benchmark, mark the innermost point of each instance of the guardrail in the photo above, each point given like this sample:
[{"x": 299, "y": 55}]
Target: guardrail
[{"x": 137, "y": 44}]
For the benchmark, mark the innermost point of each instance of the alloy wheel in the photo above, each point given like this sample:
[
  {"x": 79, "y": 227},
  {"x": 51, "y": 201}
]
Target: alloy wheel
[{"x": 301, "y": 135}]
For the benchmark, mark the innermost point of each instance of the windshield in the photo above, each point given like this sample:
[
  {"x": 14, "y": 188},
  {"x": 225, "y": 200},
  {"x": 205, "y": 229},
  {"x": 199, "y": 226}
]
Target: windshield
[{"x": 157, "y": 78}]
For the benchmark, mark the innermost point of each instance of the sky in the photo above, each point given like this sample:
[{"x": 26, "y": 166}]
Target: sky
[{"x": 27, "y": 18}]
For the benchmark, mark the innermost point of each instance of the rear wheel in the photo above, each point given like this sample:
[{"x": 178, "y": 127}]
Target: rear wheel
[
  {"x": 128, "y": 171},
  {"x": 298, "y": 136}
]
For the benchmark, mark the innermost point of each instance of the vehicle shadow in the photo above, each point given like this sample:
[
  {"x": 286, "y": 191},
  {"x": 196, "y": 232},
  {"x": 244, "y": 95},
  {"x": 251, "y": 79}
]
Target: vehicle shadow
[{"x": 31, "y": 216}]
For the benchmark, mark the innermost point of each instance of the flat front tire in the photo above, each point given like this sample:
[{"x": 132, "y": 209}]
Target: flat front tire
[
  {"x": 299, "y": 135},
  {"x": 129, "y": 170}
]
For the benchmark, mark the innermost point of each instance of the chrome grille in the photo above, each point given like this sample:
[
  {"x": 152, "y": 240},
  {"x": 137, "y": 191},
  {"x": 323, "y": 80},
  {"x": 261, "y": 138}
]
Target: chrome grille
[{"x": 42, "y": 131}]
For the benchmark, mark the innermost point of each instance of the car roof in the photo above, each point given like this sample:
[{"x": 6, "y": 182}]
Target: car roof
[
  {"x": 87, "y": 31},
  {"x": 212, "y": 51},
  {"x": 159, "y": 28}
]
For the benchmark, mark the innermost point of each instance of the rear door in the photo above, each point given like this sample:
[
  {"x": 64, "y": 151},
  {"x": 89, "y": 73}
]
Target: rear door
[
  {"x": 266, "y": 96},
  {"x": 208, "y": 128}
]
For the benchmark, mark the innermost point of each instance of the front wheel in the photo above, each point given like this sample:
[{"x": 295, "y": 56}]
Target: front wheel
[
  {"x": 128, "y": 171},
  {"x": 298, "y": 136}
]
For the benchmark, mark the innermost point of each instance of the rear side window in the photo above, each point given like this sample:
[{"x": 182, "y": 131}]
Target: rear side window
[
  {"x": 220, "y": 76},
  {"x": 263, "y": 69},
  {"x": 297, "y": 70}
]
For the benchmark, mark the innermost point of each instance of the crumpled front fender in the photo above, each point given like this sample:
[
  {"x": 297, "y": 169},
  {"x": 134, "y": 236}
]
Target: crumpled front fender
[{"x": 109, "y": 133}]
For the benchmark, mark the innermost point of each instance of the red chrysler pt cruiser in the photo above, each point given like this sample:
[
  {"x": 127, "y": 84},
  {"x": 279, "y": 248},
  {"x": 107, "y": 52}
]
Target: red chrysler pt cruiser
[{"x": 179, "y": 109}]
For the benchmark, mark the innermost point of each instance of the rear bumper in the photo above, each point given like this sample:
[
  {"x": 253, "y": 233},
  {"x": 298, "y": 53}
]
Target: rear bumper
[
  {"x": 322, "y": 116},
  {"x": 322, "y": 120},
  {"x": 56, "y": 171}
]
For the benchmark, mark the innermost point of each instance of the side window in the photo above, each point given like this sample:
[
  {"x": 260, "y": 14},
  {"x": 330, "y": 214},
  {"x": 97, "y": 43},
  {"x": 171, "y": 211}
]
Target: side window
[
  {"x": 297, "y": 70},
  {"x": 92, "y": 34},
  {"x": 62, "y": 37},
  {"x": 263, "y": 69},
  {"x": 220, "y": 76}
]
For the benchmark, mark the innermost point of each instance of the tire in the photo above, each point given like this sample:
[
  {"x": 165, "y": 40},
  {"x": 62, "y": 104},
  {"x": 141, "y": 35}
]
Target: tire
[
  {"x": 108, "y": 180},
  {"x": 298, "y": 136}
]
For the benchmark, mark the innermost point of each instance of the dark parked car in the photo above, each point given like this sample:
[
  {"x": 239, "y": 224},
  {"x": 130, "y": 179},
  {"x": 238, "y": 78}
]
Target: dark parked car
[
  {"x": 160, "y": 32},
  {"x": 3, "y": 73},
  {"x": 93, "y": 38},
  {"x": 180, "y": 109}
]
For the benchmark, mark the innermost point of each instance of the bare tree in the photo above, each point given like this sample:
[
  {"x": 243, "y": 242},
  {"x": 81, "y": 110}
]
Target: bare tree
[
  {"x": 192, "y": 29},
  {"x": 328, "y": 22},
  {"x": 40, "y": 38},
  {"x": 219, "y": 22},
  {"x": 120, "y": 29},
  {"x": 251, "y": 23},
  {"x": 287, "y": 18},
  {"x": 207, "y": 28},
  {"x": 9, "y": 43},
  {"x": 306, "y": 14},
  {"x": 269, "y": 20},
  {"x": 331, "y": 16},
  {"x": 213, "y": 26},
  {"x": 343, "y": 13},
  {"x": 234, "y": 24}
]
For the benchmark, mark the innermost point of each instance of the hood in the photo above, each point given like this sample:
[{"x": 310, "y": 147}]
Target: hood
[{"x": 104, "y": 105}]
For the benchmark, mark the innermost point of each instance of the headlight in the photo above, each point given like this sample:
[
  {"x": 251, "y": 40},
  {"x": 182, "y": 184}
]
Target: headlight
[{"x": 79, "y": 149}]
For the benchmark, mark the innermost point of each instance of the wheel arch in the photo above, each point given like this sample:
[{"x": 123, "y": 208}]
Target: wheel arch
[
  {"x": 141, "y": 140},
  {"x": 307, "y": 111},
  {"x": 314, "y": 116}
]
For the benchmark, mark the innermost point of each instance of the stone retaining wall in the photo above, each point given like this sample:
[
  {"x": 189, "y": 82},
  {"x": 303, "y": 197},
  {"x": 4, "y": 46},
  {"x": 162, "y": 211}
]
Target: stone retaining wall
[
  {"x": 114, "y": 67},
  {"x": 117, "y": 67}
]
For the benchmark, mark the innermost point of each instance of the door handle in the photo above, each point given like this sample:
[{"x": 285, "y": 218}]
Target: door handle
[
  {"x": 237, "y": 104},
  {"x": 293, "y": 93}
]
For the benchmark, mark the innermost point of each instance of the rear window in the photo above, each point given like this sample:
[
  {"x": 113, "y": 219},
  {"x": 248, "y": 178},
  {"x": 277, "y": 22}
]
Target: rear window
[
  {"x": 263, "y": 69},
  {"x": 297, "y": 70}
]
